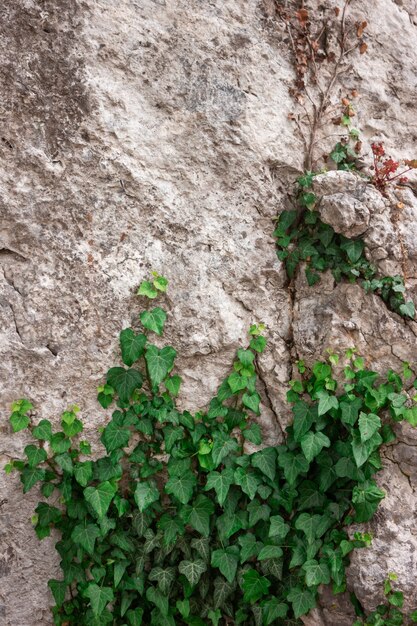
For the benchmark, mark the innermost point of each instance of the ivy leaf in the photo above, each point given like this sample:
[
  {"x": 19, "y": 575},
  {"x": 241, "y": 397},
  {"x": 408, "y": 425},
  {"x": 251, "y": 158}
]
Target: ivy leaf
[
  {"x": 360, "y": 450},
  {"x": 124, "y": 381},
  {"x": 173, "y": 384},
  {"x": 258, "y": 344},
  {"x": 135, "y": 617},
  {"x": 246, "y": 357},
  {"x": 223, "y": 445},
  {"x": 272, "y": 610},
  {"x": 99, "y": 597},
  {"x": 317, "y": 573},
  {"x": 350, "y": 411},
  {"x": 270, "y": 552},
  {"x": 147, "y": 289},
  {"x": 132, "y": 346},
  {"x": 58, "y": 588},
  {"x": 254, "y": 586},
  {"x": 172, "y": 527},
  {"x": 407, "y": 309},
  {"x": 253, "y": 434},
  {"x": 249, "y": 547},
  {"x": 182, "y": 487},
  {"x": 302, "y": 601},
  {"x": 43, "y": 430},
  {"x": 220, "y": 482},
  {"x": 247, "y": 482},
  {"x": 159, "y": 599},
  {"x": 353, "y": 248},
  {"x": 308, "y": 524},
  {"x": 30, "y": 476},
  {"x": 146, "y": 493},
  {"x": 257, "y": 512},
  {"x": 85, "y": 535},
  {"x": 368, "y": 425},
  {"x": 278, "y": 527},
  {"x": 252, "y": 400},
  {"x": 35, "y": 455},
  {"x": 327, "y": 402},
  {"x": 199, "y": 514},
  {"x": 83, "y": 473},
  {"x": 154, "y": 320},
  {"x": 312, "y": 444},
  {"x": 265, "y": 461},
  {"x": 303, "y": 419},
  {"x": 100, "y": 497},
  {"x": 19, "y": 421},
  {"x": 164, "y": 577},
  {"x": 226, "y": 560},
  {"x": 293, "y": 465},
  {"x": 115, "y": 436},
  {"x": 159, "y": 362},
  {"x": 192, "y": 570}
]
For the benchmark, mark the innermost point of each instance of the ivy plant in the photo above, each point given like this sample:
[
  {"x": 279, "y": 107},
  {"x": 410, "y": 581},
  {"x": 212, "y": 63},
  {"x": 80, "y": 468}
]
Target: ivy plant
[
  {"x": 185, "y": 518},
  {"x": 302, "y": 238}
]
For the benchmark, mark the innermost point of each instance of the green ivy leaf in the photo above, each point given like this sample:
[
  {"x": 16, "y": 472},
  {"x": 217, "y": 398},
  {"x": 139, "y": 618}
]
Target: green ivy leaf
[
  {"x": 220, "y": 482},
  {"x": 132, "y": 346},
  {"x": 100, "y": 497},
  {"x": 146, "y": 493},
  {"x": 317, "y": 573},
  {"x": 85, "y": 535},
  {"x": 273, "y": 609},
  {"x": 99, "y": 597},
  {"x": 408, "y": 310},
  {"x": 312, "y": 444},
  {"x": 252, "y": 400},
  {"x": 226, "y": 560},
  {"x": 159, "y": 362},
  {"x": 270, "y": 552},
  {"x": 198, "y": 514},
  {"x": 303, "y": 419},
  {"x": 247, "y": 481},
  {"x": 35, "y": 455},
  {"x": 353, "y": 248},
  {"x": 223, "y": 445},
  {"x": 30, "y": 476},
  {"x": 154, "y": 320},
  {"x": 253, "y": 434},
  {"x": 182, "y": 487},
  {"x": 302, "y": 601},
  {"x": 124, "y": 381},
  {"x": 83, "y": 473},
  {"x": 43, "y": 430},
  {"x": 135, "y": 617},
  {"x": 19, "y": 421},
  {"x": 115, "y": 436},
  {"x": 254, "y": 586},
  {"x": 278, "y": 527},
  {"x": 327, "y": 403},
  {"x": 265, "y": 461},
  {"x": 192, "y": 570},
  {"x": 164, "y": 577},
  {"x": 350, "y": 411},
  {"x": 58, "y": 588},
  {"x": 293, "y": 465},
  {"x": 368, "y": 425},
  {"x": 173, "y": 384}
]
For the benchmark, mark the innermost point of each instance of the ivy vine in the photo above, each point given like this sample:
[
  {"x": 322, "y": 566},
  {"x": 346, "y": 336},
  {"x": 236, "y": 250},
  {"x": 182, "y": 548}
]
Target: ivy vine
[
  {"x": 303, "y": 239},
  {"x": 178, "y": 522}
]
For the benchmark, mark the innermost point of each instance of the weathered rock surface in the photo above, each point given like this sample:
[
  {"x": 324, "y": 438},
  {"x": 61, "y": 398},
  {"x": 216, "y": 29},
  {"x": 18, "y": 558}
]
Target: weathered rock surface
[{"x": 154, "y": 134}]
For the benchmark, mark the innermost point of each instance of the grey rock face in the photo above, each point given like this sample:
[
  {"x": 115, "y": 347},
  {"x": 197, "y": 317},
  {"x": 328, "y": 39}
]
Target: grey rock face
[{"x": 154, "y": 135}]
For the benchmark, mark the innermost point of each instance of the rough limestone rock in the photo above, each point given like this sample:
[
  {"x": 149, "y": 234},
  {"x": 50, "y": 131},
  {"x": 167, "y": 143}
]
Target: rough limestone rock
[{"x": 147, "y": 135}]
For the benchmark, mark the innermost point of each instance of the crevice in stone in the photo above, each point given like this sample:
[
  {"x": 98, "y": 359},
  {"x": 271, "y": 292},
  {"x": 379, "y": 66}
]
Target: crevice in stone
[
  {"x": 15, "y": 323},
  {"x": 267, "y": 395}
]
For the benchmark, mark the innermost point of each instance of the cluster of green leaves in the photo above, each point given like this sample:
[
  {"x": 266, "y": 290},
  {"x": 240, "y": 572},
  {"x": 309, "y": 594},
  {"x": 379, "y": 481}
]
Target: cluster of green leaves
[
  {"x": 303, "y": 238},
  {"x": 177, "y": 523},
  {"x": 389, "y": 614}
]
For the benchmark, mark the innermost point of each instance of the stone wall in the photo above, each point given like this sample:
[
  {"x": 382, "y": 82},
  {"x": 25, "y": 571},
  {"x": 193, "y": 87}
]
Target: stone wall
[{"x": 147, "y": 135}]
